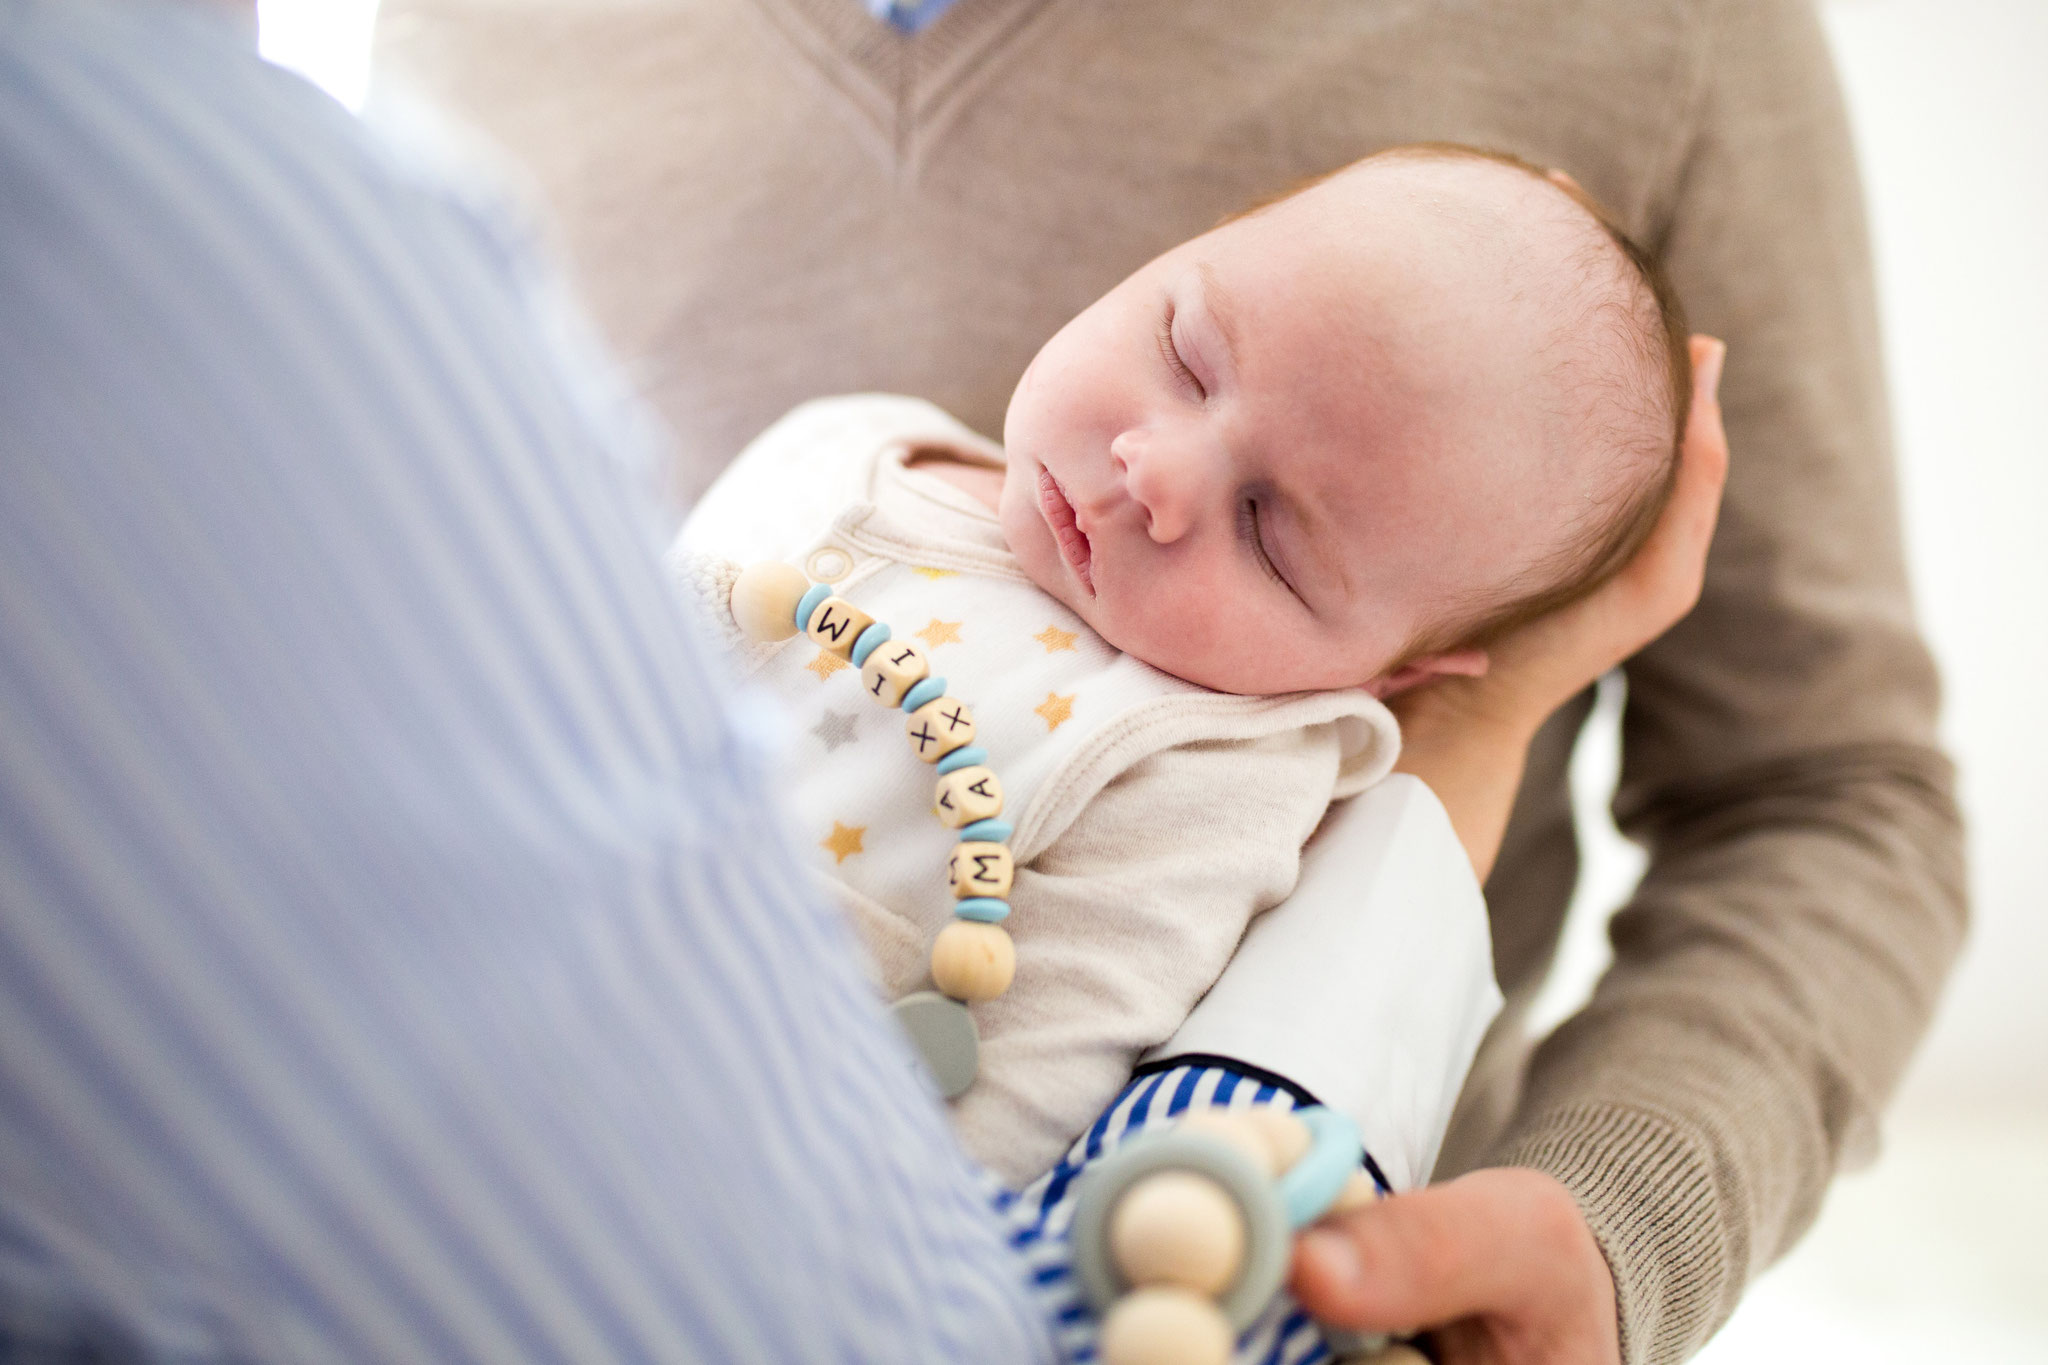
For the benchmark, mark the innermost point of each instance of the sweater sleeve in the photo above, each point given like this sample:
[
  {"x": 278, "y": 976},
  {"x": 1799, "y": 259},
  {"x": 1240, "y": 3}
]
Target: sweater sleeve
[
  {"x": 1125, "y": 920},
  {"x": 1805, "y": 891}
]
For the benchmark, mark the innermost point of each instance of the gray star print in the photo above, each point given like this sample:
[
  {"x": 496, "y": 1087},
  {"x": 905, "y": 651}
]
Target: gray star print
[{"x": 835, "y": 729}]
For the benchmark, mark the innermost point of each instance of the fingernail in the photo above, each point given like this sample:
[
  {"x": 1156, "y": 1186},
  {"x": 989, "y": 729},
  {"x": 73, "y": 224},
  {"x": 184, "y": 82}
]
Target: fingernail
[
  {"x": 1710, "y": 371},
  {"x": 1335, "y": 1255}
]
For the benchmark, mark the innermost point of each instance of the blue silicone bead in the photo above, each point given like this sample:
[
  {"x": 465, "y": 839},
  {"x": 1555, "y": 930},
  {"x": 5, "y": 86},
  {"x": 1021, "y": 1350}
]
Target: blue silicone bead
[
  {"x": 964, "y": 757},
  {"x": 990, "y": 831},
  {"x": 929, "y": 689},
  {"x": 1312, "y": 1184},
  {"x": 871, "y": 639},
  {"x": 809, "y": 603},
  {"x": 986, "y": 909}
]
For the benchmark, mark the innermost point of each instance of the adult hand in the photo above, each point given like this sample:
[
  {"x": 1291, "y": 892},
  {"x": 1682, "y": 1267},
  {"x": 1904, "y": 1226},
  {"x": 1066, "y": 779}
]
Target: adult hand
[
  {"x": 1467, "y": 737},
  {"x": 1498, "y": 1264},
  {"x": 1537, "y": 668}
]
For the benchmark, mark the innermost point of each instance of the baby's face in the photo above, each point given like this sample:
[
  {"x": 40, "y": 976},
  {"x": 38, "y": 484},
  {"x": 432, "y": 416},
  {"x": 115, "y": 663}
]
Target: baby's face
[{"x": 1277, "y": 454}]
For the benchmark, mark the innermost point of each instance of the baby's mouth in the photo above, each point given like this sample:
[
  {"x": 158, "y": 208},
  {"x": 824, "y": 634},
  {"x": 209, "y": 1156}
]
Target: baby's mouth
[{"x": 1066, "y": 528}]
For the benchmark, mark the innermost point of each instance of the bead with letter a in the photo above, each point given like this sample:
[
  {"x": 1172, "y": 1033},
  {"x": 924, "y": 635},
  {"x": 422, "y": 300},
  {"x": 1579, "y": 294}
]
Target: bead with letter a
[{"x": 966, "y": 796}]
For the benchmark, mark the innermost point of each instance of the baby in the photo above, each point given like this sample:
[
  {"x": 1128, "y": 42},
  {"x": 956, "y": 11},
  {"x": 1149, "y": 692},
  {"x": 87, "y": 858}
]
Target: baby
[{"x": 1309, "y": 459}]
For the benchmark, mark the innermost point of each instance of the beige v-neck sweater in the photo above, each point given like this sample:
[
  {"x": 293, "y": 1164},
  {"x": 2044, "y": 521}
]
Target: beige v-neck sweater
[{"x": 767, "y": 200}]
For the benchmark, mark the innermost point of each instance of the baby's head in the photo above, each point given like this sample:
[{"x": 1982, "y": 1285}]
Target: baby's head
[{"x": 1348, "y": 438}]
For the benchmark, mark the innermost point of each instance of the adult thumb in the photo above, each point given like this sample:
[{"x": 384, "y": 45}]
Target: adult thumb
[{"x": 1508, "y": 1244}]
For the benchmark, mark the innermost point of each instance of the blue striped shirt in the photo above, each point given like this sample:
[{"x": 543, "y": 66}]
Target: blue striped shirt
[{"x": 398, "y": 958}]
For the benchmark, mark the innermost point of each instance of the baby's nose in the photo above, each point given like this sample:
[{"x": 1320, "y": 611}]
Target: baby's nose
[{"x": 1164, "y": 478}]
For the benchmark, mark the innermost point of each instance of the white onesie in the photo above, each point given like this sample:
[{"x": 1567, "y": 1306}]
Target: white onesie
[{"x": 1154, "y": 819}]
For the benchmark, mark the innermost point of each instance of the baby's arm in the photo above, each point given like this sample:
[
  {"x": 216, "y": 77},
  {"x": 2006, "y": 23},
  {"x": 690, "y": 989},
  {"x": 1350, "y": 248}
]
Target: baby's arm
[{"x": 1126, "y": 919}]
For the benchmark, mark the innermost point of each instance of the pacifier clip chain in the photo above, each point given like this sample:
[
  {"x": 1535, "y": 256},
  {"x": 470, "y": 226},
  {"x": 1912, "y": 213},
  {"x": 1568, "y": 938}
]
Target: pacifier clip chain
[{"x": 973, "y": 958}]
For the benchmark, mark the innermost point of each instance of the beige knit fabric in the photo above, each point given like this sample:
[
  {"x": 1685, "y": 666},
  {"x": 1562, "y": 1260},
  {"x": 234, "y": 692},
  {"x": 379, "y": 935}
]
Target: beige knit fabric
[{"x": 772, "y": 199}]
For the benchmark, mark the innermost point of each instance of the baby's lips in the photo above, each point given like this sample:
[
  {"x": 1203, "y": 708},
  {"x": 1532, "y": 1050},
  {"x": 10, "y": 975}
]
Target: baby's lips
[{"x": 1066, "y": 528}]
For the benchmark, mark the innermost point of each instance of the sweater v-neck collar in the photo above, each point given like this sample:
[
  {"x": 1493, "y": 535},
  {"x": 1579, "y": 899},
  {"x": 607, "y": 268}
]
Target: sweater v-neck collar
[{"x": 903, "y": 89}]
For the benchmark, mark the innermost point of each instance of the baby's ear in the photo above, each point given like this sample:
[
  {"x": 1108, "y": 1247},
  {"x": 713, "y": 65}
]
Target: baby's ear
[{"x": 1463, "y": 663}]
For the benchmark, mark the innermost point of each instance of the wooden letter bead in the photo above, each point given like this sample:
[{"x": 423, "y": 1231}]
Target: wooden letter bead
[
  {"x": 966, "y": 796},
  {"x": 939, "y": 727},
  {"x": 973, "y": 962},
  {"x": 1178, "y": 1228},
  {"x": 764, "y": 599},
  {"x": 836, "y": 625},
  {"x": 980, "y": 870},
  {"x": 893, "y": 669},
  {"x": 1165, "y": 1326}
]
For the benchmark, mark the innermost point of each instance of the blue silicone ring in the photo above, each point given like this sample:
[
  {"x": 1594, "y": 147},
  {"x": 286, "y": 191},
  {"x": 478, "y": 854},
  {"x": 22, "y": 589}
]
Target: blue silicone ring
[
  {"x": 989, "y": 831},
  {"x": 1313, "y": 1183},
  {"x": 871, "y": 639},
  {"x": 966, "y": 756},
  {"x": 930, "y": 689},
  {"x": 809, "y": 603},
  {"x": 987, "y": 910}
]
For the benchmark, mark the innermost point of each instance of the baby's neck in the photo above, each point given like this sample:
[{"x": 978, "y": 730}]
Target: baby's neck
[{"x": 978, "y": 481}]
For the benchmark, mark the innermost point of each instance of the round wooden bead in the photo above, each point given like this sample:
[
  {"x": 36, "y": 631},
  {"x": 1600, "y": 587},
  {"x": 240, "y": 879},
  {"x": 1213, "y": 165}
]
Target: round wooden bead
[
  {"x": 1178, "y": 1228},
  {"x": 973, "y": 961},
  {"x": 1287, "y": 1136},
  {"x": 764, "y": 599},
  {"x": 1358, "y": 1192},
  {"x": 1165, "y": 1326},
  {"x": 1235, "y": 1127}
]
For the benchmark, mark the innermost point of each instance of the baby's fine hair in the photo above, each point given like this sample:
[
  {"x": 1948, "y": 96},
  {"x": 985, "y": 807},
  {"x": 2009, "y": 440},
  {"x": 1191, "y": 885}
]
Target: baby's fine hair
[{"x": 1655, "y": 381}]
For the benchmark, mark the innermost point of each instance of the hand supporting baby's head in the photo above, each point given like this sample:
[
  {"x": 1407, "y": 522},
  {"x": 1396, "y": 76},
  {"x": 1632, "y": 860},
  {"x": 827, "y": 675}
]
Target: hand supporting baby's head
[{"x": 1348, "y": 437}]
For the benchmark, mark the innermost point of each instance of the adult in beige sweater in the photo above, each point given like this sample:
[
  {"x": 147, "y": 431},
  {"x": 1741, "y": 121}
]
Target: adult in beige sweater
[{"x": 768, "y": 200}]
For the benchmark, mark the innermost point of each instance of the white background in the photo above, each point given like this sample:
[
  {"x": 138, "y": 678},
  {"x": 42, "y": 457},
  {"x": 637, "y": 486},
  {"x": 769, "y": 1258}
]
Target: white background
[{"x": 1940, "y": 1251}]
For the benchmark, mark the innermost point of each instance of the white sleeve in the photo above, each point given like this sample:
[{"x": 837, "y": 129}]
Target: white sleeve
[{"x": 1373, "y": 984}]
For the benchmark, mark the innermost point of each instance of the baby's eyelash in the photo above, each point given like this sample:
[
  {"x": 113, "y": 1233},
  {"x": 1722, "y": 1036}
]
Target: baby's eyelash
[
  {"x": 1171, "y": 354},
  {"x": 1248, "y": 528}
]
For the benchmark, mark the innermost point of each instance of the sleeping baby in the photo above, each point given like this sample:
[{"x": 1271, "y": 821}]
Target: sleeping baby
[{"x": 1318, "y": 455}]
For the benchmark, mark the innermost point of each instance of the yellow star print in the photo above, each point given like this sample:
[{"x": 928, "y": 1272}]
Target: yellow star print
[
  {"x": 826, "y": 664},
  {"x": 1054, "y": 639},
  {"x": 926, "y": 571},
  {"x": 843, "y": 842},
  {"x": 937, "y": 632},
  {"x": 1055, "y": 710}
]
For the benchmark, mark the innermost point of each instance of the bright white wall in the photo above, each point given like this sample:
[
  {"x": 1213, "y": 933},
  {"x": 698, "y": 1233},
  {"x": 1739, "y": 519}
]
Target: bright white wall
[{"x": 1951, "y": 111}]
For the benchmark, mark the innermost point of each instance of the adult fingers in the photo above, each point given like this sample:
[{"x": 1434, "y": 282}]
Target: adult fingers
[
  {"x": 1669, "y": 570},
  {"x": 1505, "y": 1247}
]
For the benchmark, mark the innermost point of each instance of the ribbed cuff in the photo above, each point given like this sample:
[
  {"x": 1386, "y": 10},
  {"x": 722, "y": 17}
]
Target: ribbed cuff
[{"x": 1646, "y": 1187}]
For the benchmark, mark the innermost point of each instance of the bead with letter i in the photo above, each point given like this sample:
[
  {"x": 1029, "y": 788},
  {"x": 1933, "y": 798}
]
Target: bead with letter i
[{"x": 894, "y": 669}]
